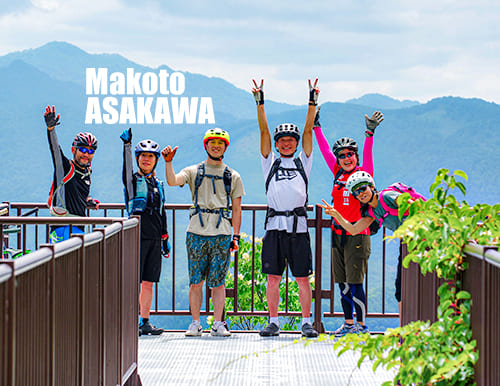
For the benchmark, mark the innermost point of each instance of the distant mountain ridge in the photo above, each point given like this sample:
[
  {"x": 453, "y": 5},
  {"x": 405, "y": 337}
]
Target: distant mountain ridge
[
  {"x": 409, "y": 146},
  {"x": 382, "y": 102}
]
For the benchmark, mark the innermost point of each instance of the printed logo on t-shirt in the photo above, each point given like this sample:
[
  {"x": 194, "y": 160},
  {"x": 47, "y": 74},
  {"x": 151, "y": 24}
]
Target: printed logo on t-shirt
[
  {"x": 283, "y": 174},
  {"x": 345, "y": 194}
]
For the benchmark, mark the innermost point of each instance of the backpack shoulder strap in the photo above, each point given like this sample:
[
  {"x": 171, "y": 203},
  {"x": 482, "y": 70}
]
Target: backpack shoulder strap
[
  {"x": 272, "y": 172},
  {"x": 387, "y": 209},
  {"x": 300, "y": 168},
  {"x": 227, "y": 178},
  {"x": 200, "y": 173}
]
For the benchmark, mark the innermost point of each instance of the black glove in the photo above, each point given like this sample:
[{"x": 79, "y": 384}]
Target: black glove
[
  {"x": 50, "y": 117},
  {"x": 165, "y": 246},
  {"x": 258, "y": 92},
  {"x": 93, "y": 203},
  {"x": 373, "y": 122},
  {"x": 235, "y": 244},
  {"x": 316, "y": 118},
  {"x": 126, "y": 136},
  {"x": 313, "y": 93}
]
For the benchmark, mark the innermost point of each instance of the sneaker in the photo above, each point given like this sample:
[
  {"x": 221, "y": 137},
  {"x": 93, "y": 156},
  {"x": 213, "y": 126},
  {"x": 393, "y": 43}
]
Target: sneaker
[
  {"x": 308, "y": 331},
  {"x": 361, "y": 329},
  {"x": 219, "y": 329},
  {"x": 345, "y": 329},
  {"x": 148, "y": 329},
  {"x": 271, "y": 330},
  {"x": 194, "y": 329}
]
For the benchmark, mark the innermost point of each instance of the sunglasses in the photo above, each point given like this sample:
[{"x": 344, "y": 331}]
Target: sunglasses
[
  {"x": 360, "y": 190},
  {"x": 85, "y": 150},
  {"x": 349, "y": 154}
]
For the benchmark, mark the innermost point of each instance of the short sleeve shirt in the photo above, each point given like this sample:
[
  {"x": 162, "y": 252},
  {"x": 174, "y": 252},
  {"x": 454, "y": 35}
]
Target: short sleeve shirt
[
  {"x": 390, "y": 222},
  {"x": 286, "y": 191},
  {"x": 207, "y": 199}
]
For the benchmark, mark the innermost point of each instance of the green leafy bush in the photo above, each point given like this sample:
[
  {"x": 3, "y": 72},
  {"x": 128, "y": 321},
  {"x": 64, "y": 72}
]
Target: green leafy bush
[{"x": 436, "y": 231}]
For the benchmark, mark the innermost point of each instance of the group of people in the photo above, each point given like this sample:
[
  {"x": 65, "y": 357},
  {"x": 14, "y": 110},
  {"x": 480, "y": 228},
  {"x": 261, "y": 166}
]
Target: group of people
[{"x": 215, "y": 216}]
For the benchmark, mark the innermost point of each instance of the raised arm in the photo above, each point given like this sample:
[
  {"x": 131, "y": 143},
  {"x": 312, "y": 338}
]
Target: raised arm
[
  {"x": 371, "y": 125},
  {"x": 172, "y": 179},
  {"x": 307, "y": 140},
  {"x": 265, "y": 136},
  {"x": 324, "y": 147},
  {"x": 128, "y": 171}
]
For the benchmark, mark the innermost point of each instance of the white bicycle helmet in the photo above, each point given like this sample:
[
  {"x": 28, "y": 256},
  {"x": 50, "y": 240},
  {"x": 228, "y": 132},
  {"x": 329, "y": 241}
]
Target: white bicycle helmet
[
  {"x": 286, "y": 130},
  {"x": 147, "y": 146},
  {"x": 358, "y": 179}
]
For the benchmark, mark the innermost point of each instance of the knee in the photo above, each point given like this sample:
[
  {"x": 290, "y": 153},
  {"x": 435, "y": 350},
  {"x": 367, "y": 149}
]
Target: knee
[
  {"x": 303, "y": 282},
  {"x": 273, "y": 281},
  {"x": 197, "y": 286},
  {"x": 147, "y": 285}
]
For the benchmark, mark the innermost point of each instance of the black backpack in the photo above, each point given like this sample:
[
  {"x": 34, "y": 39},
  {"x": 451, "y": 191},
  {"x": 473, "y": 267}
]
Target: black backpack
[{"x": 226, "y": 177}]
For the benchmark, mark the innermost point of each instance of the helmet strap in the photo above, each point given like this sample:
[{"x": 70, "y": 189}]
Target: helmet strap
[{"x": 214, "y": 158}]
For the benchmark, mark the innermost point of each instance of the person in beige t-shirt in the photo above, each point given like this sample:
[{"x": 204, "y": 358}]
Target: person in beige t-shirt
[{"x": 215, "y": 188}]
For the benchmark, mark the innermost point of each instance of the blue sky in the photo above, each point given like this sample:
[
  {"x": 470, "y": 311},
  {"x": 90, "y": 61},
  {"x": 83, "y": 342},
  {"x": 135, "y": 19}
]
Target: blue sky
[{"x": 405, "y": 49}]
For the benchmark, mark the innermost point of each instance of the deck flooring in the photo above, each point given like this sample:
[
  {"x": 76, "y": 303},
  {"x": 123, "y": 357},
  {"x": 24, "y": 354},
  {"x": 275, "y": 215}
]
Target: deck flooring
[{"x": 249, "y": 359}]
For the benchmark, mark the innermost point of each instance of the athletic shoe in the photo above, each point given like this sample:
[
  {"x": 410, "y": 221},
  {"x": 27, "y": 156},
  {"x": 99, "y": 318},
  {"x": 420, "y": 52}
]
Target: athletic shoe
[
  {"x": 148, "y": 329},
  {"x": 345, "y": 329},
  {"x": 271, "y": 330},
  {"x": 219, "y": 329},
  {"x": 308, "y": 331},
  {"x": 194, "y": 329},
  {"x": 360, "y": 329}
]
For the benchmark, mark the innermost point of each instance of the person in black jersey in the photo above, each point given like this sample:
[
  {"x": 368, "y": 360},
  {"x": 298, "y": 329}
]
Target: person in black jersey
[
  {"x": 70, "y": 192},
  {"x": 145, "y": 196}
]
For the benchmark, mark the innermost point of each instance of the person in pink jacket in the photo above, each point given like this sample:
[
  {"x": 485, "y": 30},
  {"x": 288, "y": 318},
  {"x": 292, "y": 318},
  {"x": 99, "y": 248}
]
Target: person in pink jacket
[{"x": 350, "y": 253}]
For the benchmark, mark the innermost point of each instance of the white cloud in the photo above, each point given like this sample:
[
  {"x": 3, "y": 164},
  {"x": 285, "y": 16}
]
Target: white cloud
[{"x": 400, "y": 48}]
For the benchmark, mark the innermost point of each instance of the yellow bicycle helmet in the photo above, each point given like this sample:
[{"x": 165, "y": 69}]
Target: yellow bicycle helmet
[{"x": 216, "y": 134}]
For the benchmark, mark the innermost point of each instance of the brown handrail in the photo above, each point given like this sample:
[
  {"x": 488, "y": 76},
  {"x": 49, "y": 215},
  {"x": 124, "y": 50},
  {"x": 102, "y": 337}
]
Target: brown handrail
[{"x": 317, "y": 223}]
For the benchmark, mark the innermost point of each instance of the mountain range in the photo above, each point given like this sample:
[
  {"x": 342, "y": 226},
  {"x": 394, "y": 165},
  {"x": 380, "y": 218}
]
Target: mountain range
[{"x": 413, "y": 142}]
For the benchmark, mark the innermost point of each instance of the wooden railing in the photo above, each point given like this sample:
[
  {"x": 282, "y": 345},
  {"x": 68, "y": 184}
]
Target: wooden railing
[
  {"x": 323, "y": 294},
  {"x": 482, "y": 281},
  {"x": 69, "y": 311}
]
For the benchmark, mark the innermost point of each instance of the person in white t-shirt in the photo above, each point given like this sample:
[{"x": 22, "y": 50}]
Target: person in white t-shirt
[{"x": 287, "y": 237}]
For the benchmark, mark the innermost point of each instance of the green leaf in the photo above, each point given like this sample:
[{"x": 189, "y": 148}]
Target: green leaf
[
  {"x": 461, "y": 174},
  {"x": 463, "y": 295}
]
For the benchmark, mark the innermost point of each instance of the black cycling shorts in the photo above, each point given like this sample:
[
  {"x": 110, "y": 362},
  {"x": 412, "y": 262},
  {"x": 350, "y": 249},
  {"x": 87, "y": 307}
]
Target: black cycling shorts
[
  {"x": 281, "y": 246},
  {"x": 150, "y": 265}
]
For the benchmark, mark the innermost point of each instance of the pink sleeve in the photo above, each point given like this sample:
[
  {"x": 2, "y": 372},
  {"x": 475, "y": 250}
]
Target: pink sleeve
[
  {"x": 368, "y": 155},
  {"x": 324, "y": 147}
]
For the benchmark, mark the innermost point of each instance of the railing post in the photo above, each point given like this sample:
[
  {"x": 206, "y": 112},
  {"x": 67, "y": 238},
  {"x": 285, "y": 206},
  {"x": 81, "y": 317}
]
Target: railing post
[
  {"x": 51, "y": 295},
  {"x": 81, "y": 310},
  {"x": 102, "y": 283},
  {"x": 9, "y": 331},
  {"x": 318, "y": 324}
]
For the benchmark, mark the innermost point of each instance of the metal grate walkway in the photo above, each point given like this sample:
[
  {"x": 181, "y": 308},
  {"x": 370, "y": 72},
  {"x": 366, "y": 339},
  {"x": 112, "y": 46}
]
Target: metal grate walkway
[{"x": 173, "y": 359}]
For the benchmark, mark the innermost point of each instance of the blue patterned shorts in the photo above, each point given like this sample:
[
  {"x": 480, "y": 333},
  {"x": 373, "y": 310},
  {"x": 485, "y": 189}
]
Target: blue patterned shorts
[{"x": 208, "y": 258}]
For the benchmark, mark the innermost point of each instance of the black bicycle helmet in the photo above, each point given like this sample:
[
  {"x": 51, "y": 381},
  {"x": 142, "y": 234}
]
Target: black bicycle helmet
[
  {"x": 344, "y": 143},
  {"x": 85, "y": 139}
]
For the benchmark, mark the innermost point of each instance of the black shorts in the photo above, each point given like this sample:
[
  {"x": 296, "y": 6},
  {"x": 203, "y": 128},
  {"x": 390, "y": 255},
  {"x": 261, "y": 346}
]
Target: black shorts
[
  {"x": 150, "y": 265},
  {"x": 278, "y": 246}
]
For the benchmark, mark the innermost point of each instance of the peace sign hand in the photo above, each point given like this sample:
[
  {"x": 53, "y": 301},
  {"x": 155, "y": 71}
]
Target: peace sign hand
[
  {"x": 313, "y": 92},
  {"x": 258, "y": 92}
]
